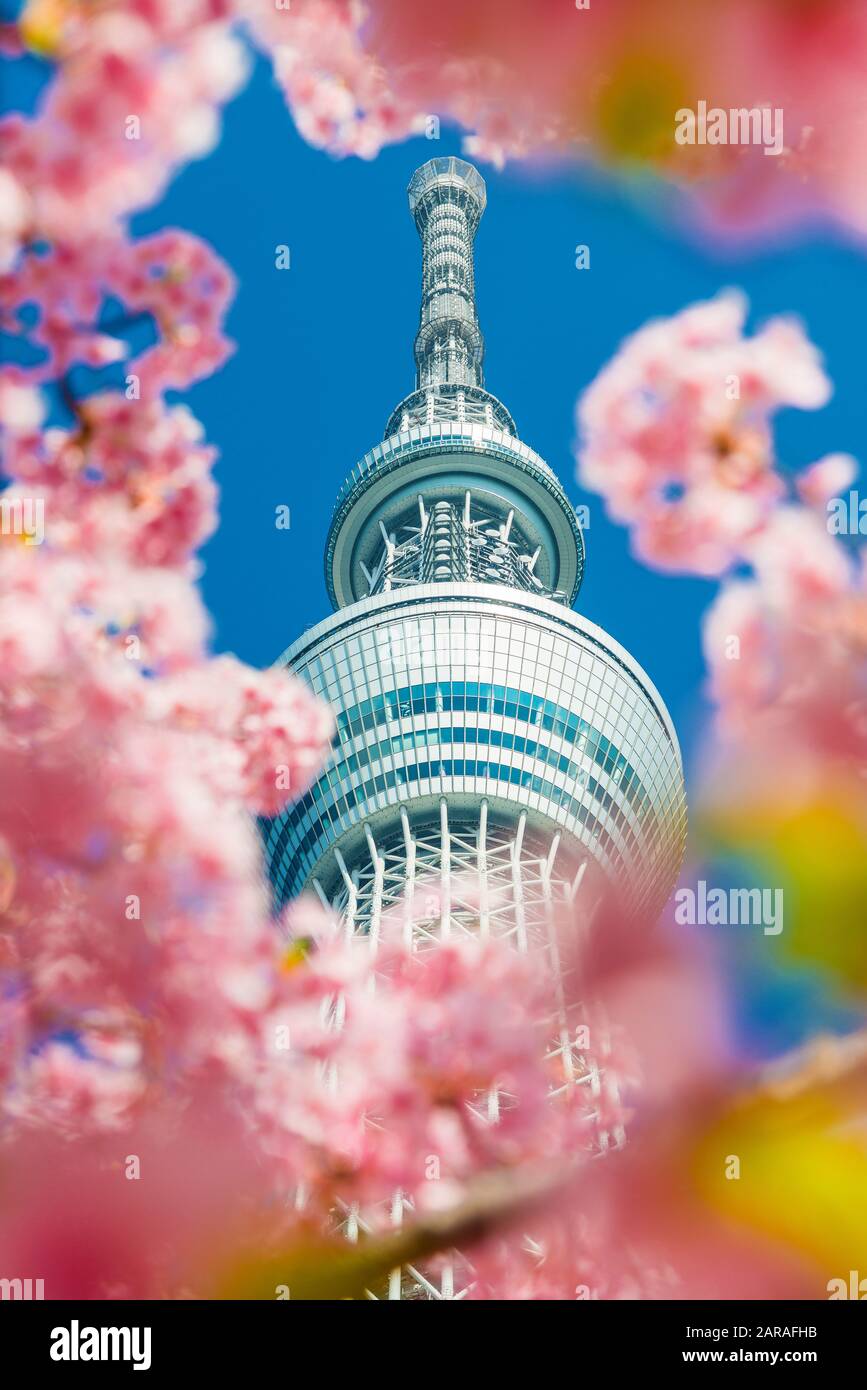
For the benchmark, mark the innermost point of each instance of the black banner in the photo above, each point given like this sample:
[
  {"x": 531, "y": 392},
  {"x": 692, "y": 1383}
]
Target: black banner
[{"x": 155, "y": 1339}]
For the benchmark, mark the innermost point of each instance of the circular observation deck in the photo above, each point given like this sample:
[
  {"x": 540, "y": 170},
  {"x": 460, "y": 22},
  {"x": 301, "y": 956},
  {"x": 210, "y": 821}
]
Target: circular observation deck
[{"x": 444, "y": 460}]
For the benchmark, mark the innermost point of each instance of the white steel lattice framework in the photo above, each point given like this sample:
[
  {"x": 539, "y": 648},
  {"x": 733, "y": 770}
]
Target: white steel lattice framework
[{"x": 487, "y": 733}]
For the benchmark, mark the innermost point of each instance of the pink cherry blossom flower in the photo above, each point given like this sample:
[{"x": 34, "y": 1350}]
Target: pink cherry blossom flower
[
  {"x": 359, "y": 75},
  {"x": 826, "y": 478},
  {"x": 675, "y": 432}
]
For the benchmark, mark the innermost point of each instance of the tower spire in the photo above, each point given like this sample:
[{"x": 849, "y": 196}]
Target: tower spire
[
  {"x": 447, "y": 198},
  {"x": 451, "y": 495}
]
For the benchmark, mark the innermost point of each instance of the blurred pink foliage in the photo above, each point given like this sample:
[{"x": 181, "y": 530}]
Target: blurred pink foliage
[
  {"x": 149, "y": 1009},
  {"x": 675, "y": 431},
  {"x": 676, "y": 435},
  {"x": 802, "y": 622},
  {"x": 603, "y": 82},
  {"x": 137, "y": 951},
  {"x": 78, "y": 166}
]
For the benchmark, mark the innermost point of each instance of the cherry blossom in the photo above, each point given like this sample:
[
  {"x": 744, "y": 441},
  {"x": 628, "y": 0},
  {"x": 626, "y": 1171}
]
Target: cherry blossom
[
  {"x": 140, "y": 86},
  {"x": 137, "y": 92},
  {"x": 785, "y": 650},
  {"x": 675, "y": 431},
  {"x": 600, "y": 83},
  {"x": 826, "y": 478}
]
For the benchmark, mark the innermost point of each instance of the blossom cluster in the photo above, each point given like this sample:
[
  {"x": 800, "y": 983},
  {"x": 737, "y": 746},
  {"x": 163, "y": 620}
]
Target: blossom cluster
[
  {"x": 140, "y": 85},
  {"x": 676, "y": 435},
  {"x": 136, "y": 93},
  {"x": 605, "y": 82}
]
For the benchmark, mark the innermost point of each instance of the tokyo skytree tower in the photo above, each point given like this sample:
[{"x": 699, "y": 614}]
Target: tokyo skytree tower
[{"x": 487, "y": 734}]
